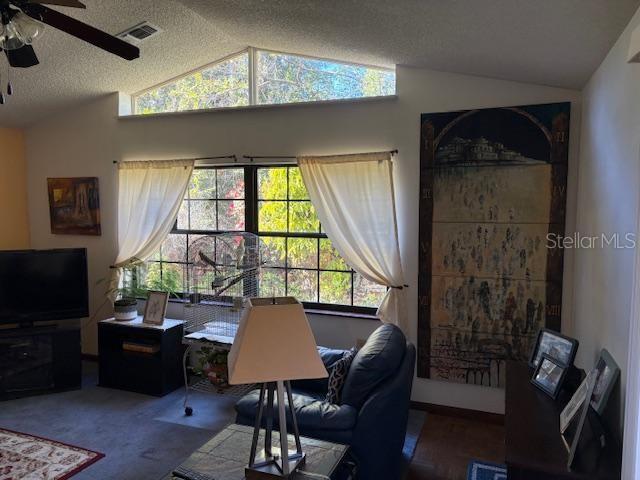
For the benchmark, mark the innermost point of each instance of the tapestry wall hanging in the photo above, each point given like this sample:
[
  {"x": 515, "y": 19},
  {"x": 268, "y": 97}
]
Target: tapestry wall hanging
[
  {"x": 492, "y": 199},
  {"x": 74, "y": 206}
]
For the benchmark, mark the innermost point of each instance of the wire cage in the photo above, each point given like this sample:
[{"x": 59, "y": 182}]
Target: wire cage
[{"x": 223, "y": 271}]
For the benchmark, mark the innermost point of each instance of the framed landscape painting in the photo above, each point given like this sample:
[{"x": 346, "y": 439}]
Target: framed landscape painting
[
  {"x": 492, "y": 194},
  {"x": 74, "y": 206}
]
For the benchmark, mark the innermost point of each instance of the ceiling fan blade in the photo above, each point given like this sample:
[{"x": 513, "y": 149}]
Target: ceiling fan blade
[
  {"x": 82, "y": 31},
  {"x": 62, "y": 3},
  {"x": 22, "y": 57}
]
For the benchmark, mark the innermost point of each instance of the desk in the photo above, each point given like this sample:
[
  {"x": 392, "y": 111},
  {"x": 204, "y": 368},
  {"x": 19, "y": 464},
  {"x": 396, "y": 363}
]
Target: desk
[{"x": 534, "y": 447}]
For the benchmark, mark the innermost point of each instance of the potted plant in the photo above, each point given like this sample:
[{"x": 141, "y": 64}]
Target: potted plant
[
  {"x": 125, "y": 307},
  {"x": 212, "y": 364}
]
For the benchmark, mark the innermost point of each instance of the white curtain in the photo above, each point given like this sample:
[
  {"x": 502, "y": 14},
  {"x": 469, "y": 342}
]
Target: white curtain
[
  {"x": 355, "y": 201},
  {"x": 149, "y": 197}
]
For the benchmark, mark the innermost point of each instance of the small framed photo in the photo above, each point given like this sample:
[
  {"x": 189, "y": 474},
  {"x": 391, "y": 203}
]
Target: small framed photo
[
  {"x": 557, "y": 346},
  {"x": 156, "y": 308},
  {"x": 578, "y": 398},
  {"x": 549, "y": 375},
  {"x": 574, "y": 441},
  {"x": 607, "y": 373}
]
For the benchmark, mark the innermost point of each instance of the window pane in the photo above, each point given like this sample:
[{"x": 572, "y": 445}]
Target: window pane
[
  {"x": 225, "y": 84},
  {"x": 302, "y": 218},
  {"x": 155, "y": 256},
  {"x": 272, "y": 251},
  {"x": 203, "y": 184},
  {"x": 174, "y": 248},
  {"x": 183, "y": 216},
  {"x": 272, "y": 183},
  {"x": 230, "y": 183},
  {"x": 366, "y": 293},
  {"x": 303, "y": 285},
  {"x": 335, "y": 288},
  {"x": 272, "y": 216},
  {"x": 330, "y": 259},
  {"x": 164, "y": 277},
  {"x": 297, "y": 190},
  {"x": 302, "y": 253},
  {"x": 283, "y": 78},
  {"x": 202, "y": 215},
  {"x": 231, "y": 215},
  {"x": 272, "y": 282},
  {"x": 172, "y": 279}
]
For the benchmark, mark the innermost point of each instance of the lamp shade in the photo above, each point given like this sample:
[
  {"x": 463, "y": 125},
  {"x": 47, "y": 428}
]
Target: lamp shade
[{"x": 274, "y": 343}]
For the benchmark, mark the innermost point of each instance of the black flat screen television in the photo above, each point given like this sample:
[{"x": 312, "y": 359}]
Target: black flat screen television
[{"x": 37, "y": 285}]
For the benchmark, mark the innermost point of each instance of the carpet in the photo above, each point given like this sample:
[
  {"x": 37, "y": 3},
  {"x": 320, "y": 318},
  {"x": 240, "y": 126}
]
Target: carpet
[
  {"x": 486, "y": 471},
  {"x": 27, "y": 457}
]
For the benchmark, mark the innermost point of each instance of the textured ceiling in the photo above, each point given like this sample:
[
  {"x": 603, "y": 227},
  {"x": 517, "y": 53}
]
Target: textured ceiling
[{"x": 551, "y": 42}]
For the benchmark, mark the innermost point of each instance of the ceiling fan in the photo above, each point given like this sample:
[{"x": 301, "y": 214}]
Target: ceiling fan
[{"x": 21, "y": 22}]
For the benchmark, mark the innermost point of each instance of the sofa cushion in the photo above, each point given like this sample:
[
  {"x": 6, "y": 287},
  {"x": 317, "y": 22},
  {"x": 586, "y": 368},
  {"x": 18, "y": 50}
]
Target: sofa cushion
[
  {"x": 338, "y": 375},
  {"x": 312, "y": 412},
  {"x": 378, "y": 359},
  {"x": 329, "y": 357}
]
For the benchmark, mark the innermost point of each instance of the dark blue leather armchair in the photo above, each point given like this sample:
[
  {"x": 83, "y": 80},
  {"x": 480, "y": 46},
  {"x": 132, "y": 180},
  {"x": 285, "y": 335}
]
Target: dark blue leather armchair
[{"x": 372, "y": 415}]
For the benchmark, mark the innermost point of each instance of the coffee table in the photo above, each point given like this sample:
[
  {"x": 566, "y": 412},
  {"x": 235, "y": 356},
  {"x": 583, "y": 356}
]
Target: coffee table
[{"x": 226, "y": 455}]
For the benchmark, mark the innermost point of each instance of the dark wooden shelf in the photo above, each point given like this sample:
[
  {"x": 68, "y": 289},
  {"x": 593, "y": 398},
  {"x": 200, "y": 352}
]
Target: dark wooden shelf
[
  {"x": 156, "y": 373},
  {"x": 534, "y": 447}
]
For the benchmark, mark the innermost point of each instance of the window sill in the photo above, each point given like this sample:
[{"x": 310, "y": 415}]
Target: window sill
[
  {"x": 134, "y": 116},
  {"x": 333, "y": 313},
  {"x": 311, "y": 311}
]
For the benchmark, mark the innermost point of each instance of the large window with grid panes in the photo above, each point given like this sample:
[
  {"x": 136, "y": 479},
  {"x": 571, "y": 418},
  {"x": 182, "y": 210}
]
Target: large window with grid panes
[{"x": 271, "y": 201}]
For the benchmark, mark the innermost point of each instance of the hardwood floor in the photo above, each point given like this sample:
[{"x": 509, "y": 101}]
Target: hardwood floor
[{"x": 447, "y": 444}]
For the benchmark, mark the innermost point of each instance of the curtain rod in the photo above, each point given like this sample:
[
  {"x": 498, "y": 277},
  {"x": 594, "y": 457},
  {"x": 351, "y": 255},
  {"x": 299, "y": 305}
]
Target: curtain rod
[
  {"x": 234, "y": 157},
  {"x": 252, "y": 157}
]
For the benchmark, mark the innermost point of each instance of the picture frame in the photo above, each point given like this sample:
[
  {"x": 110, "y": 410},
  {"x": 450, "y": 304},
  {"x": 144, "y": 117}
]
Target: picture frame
[
  {"x": 549, "y": 375},
  {"x": 607, "y": 374},
  {"x": 573, "y": 407},
  {"x": 553, "y": 343},
  {"x": 575, "y": 440},
  {"x": 74, "y": 205},
  {"x": 156, "y": 308}
]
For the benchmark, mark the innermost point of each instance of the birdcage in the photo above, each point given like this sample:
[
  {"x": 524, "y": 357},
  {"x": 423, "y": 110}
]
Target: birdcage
[{"x": 223, "y": 270}]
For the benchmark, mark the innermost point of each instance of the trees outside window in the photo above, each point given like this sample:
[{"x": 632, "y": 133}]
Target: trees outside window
[
  {"x": 298, "y": 258},
  {"x": 223, "y": 84},
  {"x": 261, "y": 77}
]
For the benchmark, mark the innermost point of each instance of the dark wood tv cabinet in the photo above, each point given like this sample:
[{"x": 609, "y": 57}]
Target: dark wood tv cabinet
[
  {"x": 39, "y": 359},
  {"x": 534, "y": 447}
]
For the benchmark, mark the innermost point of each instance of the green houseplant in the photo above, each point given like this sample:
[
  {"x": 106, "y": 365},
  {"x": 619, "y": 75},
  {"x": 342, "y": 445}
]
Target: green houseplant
[{"x": 212, "y": 364}]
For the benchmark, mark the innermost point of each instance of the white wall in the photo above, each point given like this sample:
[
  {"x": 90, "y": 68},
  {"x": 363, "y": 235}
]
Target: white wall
[
  {"x": 608, "y": 196},
  {"x": 86, "y": 141}
]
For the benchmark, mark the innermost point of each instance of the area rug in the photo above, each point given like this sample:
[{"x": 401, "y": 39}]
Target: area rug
[
  {"x": 27, "y": 457},
  {"x": 486, "y": 471}
]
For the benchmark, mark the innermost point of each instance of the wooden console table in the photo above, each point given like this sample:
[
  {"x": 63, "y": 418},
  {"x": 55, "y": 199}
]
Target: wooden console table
[{"x": 534, "y": 447}]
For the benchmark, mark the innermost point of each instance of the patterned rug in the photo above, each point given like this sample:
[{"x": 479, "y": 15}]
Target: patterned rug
[
  {"x": 486, "y": 471},
  {"x": 25, "y": 457}
]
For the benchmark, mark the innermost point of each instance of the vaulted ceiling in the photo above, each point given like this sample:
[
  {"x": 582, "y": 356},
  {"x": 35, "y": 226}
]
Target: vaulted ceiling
[{"x": 550, "y": 42}]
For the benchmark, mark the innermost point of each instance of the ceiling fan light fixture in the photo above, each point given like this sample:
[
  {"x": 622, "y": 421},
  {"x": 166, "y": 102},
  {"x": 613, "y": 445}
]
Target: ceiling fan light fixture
[
  {"x": 9, "y": 39},
  {"x": 28, "y": 29},
  {"x": 18, "y": 31}
]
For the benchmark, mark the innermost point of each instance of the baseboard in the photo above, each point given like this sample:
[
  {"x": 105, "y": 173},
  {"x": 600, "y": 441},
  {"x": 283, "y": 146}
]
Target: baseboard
[
  {"x": 487, "y": 417},
  {"x": 89, "y": 357}
]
